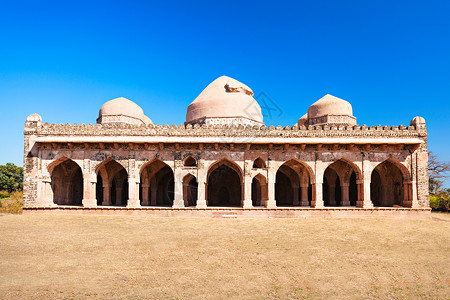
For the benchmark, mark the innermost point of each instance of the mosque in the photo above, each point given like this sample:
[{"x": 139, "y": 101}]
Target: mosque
[{"x": 225, "y": 162}]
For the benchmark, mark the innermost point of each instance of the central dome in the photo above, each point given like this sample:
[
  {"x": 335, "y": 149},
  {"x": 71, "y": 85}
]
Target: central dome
[{"x": 225, "y": 101}]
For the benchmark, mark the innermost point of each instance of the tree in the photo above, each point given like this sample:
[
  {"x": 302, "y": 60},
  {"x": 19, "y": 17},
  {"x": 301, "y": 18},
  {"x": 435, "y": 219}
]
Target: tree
[
  {"x": 11, "y": 177},
  {"x": 438, "y": 171}
]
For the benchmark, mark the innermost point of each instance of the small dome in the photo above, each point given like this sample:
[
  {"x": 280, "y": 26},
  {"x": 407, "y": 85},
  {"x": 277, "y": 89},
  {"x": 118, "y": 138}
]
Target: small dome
[
  {"x": 34, "y": 118},
  {"x": 225, "y": 97},
  {"x": 121, "y": 110},
  {"x": 330, "y": 105},
  {"x": 418, "y": 121},
  {"x": 302, "y": 120}
]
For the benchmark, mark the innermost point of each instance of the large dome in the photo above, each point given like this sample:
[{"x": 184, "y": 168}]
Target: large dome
[
  {"x": 122, "y": 110},
  {"x": 330, "y": 105},
  {"x": 224, "y": 98}
]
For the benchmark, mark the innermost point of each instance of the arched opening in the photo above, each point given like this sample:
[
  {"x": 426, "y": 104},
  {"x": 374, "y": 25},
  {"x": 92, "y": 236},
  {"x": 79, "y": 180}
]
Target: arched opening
[
  {"x": 67, "y": 183},
  {"x": 224, "y": 186},
  {"x": 190, "y": 162},
  {"x": 340, "y": 186},
  {"x": 157, "y": 184},
  {"x": 259, "y": 190},
  {"x": 112, "y": 183},
  {"x": 259, "y": 163},
  {"x": 190, "y": 190},
  {"x": 389, "y": 185},
  {"x": 293, "y": 184}
]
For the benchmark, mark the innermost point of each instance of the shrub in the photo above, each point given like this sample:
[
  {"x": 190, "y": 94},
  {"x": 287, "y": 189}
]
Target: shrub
[
  {"x": 13, "y": 205},
  {"x": 441, "y": 201},
  {"x": 4, "y": 194}
]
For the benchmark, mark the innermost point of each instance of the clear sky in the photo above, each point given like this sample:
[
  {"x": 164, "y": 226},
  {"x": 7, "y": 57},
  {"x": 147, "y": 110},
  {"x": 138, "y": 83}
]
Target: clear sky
[{"x": 63, "y": 60}]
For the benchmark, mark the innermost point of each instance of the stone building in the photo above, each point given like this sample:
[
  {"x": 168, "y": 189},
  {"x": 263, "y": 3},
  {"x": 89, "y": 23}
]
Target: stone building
[{"x": 225, "y": 161}]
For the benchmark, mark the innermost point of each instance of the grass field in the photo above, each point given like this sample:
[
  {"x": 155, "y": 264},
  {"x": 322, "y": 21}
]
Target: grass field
[{"x": 77, "y": 257}]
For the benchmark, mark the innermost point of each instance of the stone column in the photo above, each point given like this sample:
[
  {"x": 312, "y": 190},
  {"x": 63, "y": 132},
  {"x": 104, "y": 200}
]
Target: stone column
[
  {"x": 178, "y": 198},
  {"x": 270, "y": 201},
  {"x": 145, "y": 194},
  {"x": 365, "y": 201},
  {"x": 46, "y": 194},
  {"x": 295, "y": 200},
  {"x": 153, "y": 191},
  {"x": 201, "y": 198},
  {"x": 318, "y": 181},
  {"x": 133, "y": 192},
  {"x": 407, "y": 191},
  {"x": 89, "y": 192},
  {"x": 304, "y": 195},
  {"x": 345, "y": 195},
  {"x": 414, "y": 198},
  {"x": 106, "y": 194},
  {"x": 247, "y": 203}
]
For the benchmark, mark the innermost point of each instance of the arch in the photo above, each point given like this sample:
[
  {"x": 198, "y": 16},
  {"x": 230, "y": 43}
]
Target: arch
[
  {"x": 390, "y": 185},
  {"x": 259, "y": 163},
  {"x": 229, "y": 163},
  {"x": 293, "y": 184},
  {"x": 190, "y": 190},
  {"x": 224, "y": 184},
  {"x": 340, "y": 186},
  {"x": 190, "y": 161},
  {"x": 259, "y": 190},
  {"x": 402, "y": 168},
  {"x": 66, "y": 182},
  {"x": 157, "y": 184},
  {"x": 112, "y": 183}
]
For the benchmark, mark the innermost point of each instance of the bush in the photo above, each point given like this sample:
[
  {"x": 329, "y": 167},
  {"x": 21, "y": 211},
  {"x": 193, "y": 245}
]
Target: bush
[
  {"x": 4, "y": 194},
  {"x": 441, "y": 201},
  {"x": 13, "y": 205}
]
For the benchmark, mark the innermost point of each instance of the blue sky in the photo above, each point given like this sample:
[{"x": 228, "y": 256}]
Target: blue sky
[{"x": 390, "y": 59}]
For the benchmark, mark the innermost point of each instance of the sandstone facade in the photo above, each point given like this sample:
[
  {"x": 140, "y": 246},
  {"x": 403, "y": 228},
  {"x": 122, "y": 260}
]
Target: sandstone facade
[{"x": 212, "y": 163}]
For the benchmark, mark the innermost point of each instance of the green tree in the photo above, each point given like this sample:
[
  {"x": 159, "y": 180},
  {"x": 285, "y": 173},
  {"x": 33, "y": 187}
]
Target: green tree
[{"x": 11, "y": 177}]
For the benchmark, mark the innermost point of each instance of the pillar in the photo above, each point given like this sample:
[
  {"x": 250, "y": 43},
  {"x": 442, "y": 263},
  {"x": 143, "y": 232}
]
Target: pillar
[
  {"x": 46, "y": 193},
  {"x": 295, "y": 200},
  {"x": 247, "y": 203},
  {"x": 270, "y": 201},
  {"x": 201, "y": 195},
  {"x": 304, "y": 195},
  {"x": 415, "y": 199},
  {"x": 89, "y": 192},
  {"x": 178, "y": 198},
  {"x": 145, "y": 194},
  {"x": 345, "y": 195},
  {"x": 364, "y": 185},
  {"x": 317, "y": 201},
  {"x": 153, "y": 191},
  {"x": 106, "y": 194},
  {"x": 365, "y": 201},
  {"x": 133, "y": 192},
  {"x": 318, "y": 195}
]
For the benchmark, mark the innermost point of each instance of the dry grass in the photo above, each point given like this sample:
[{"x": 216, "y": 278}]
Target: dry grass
[{"x": 60, "y": 256}]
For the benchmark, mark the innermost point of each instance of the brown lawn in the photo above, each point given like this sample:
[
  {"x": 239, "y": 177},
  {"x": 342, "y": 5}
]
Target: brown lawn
[{"x": 61, "y": 256}]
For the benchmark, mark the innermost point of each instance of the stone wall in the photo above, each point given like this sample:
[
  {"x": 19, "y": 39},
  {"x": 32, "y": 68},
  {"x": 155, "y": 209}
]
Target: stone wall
[{"x": 40, "y": 157}]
